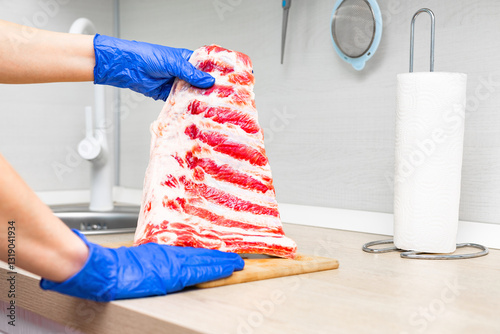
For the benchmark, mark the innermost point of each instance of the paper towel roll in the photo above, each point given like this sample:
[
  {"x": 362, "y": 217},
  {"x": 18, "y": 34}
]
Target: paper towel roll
[{"x": 428, "y": 162}]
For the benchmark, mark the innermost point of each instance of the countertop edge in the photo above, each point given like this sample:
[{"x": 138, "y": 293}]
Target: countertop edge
[{"x": 87, "y": 316}]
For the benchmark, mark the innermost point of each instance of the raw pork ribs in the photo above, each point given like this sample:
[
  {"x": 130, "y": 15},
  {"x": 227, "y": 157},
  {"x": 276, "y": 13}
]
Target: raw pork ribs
[{"x": 208, "y": 183}]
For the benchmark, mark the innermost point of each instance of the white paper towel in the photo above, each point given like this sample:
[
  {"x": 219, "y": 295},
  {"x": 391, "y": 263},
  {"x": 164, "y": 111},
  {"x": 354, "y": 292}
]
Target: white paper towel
[{"x": 428, "y": 163}]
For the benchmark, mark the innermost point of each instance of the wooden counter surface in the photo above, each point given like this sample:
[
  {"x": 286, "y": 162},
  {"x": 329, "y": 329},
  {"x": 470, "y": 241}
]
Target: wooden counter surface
[{"x": 368, "y": 294}]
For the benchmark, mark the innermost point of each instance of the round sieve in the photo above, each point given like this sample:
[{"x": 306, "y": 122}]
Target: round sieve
[{"x": 356, "y": 29}]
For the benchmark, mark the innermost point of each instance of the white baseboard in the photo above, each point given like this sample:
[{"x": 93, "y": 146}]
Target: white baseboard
[
  {"x": 63, "y": 197},
  {"x": 121, "y": 195},
  {"x": 351, "y": 220},
  {"x": 379, "y": 223},
  {"x": 127, "y": 195}
]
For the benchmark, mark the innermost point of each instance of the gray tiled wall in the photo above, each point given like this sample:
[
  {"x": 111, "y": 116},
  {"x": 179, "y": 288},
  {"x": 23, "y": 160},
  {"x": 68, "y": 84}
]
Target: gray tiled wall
[
  {"x": 336, "y": 145},
  {"x": 41, "y": 125}
]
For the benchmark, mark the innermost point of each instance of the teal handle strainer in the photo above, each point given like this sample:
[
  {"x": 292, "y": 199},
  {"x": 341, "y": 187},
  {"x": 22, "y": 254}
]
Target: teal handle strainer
[{"x": 356, "y": 29}]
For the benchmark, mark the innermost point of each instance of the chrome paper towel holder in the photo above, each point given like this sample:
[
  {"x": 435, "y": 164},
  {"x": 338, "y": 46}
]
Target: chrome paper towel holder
[
  {"x": 414, "y": 254},
  {"x": 425, "y": 256}
]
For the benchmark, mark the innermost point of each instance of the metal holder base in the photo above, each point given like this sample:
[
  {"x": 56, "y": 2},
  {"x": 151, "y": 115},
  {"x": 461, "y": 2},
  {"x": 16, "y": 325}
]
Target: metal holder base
[{"x": 424, "y": 256}]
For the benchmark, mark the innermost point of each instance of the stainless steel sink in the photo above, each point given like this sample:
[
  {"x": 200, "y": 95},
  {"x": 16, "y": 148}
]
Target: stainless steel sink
[{"x": 123, "y": 219}]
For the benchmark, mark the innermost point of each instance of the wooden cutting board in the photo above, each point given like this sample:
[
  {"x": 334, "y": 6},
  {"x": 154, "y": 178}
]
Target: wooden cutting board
[{"x": 259, "y": 267}]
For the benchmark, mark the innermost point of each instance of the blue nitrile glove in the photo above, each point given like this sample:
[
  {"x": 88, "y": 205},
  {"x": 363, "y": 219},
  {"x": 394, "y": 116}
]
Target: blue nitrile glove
[
  {"x": 147, "y": 270},
  {"x": 149, "y": 69}
]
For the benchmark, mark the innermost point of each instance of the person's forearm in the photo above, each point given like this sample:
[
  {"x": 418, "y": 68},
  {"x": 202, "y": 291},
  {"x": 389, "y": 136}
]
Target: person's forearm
[
  {"x": 44, "y": 245},
  {"x": 59, "y": 56}
]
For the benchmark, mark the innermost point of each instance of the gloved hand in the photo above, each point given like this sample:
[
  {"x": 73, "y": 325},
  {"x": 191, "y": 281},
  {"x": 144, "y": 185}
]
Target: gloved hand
[
  {"x": 146, "y": 270},
  {"x": 146, "y": 68}
]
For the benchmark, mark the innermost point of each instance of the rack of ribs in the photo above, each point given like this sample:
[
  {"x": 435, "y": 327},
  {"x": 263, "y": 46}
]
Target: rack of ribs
[{"x": 208, "y": 183}]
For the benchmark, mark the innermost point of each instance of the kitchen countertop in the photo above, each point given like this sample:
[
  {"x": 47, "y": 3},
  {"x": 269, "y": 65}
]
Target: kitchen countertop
[{"x": 369, "y": 293}]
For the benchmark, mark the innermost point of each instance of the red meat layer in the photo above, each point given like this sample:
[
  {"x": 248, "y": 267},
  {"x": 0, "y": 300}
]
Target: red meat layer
[
  {"x": 223, "y": 144},
  {"x": 224, "y": 115}
]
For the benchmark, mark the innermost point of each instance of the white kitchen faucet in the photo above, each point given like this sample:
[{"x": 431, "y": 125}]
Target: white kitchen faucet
[{"x": 95, "y": 147}]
